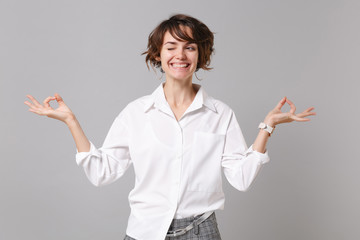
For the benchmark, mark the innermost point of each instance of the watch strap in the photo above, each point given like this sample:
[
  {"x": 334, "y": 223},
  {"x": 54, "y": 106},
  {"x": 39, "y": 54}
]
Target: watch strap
[{"x": 266, "y": 127}]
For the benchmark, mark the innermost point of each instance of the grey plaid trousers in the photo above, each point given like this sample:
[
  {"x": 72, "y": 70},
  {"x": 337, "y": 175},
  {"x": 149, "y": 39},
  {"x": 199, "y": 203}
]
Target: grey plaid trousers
[{"x": 208, "y": 230}]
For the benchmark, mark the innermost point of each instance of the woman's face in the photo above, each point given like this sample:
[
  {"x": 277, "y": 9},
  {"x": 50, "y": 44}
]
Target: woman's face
[{"x": 178, "y": 58}]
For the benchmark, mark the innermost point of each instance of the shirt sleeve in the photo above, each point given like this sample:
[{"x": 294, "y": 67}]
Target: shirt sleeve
[
  {"x": 240, "y": 164},
  {"x": 107, "y": 164}
]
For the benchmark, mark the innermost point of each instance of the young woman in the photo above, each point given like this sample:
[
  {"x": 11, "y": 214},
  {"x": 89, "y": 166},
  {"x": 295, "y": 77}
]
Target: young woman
[{"x": 178, "y": 139}]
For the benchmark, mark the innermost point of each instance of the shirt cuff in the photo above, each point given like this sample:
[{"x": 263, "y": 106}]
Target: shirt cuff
[
  {"x": 80, "y": 156},
  {"x": 263, "y": 157}
]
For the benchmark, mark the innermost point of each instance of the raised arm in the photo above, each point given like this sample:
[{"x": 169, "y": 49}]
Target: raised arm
[
  {"x": 276, "y": 117},
  {"x": 64, "y": 114}
]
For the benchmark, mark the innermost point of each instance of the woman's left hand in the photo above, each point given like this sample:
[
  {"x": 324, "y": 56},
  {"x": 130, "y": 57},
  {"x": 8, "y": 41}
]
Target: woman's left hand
[{"x": 275, "y": 116}]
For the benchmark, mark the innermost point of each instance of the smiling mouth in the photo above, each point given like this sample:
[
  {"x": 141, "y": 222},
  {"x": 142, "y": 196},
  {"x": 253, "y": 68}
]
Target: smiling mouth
[{"x": 182, "y": 65}]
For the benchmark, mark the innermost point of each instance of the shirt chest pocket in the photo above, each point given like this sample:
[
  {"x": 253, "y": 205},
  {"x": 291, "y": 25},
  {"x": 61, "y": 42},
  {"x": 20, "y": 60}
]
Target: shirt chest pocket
[{"x": 205, "y": 162}]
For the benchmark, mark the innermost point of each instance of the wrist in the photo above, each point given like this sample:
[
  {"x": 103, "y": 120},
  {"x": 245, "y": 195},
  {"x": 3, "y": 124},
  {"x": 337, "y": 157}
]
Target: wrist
[
  {"x": 70, "y": 120},
  {"x": 266, "y": 128},
  {"x": 270, "y": 122}
]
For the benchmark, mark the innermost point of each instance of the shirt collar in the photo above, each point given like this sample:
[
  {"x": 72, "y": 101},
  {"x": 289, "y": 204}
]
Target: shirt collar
[{"x": 159, "y": 101}]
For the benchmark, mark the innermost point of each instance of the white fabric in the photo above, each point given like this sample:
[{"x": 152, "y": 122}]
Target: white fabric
[{"x": 177, "y": 163}]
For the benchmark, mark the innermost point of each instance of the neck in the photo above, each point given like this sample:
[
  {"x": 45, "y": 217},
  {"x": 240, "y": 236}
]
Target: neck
[{"x": 179, "y": 93}]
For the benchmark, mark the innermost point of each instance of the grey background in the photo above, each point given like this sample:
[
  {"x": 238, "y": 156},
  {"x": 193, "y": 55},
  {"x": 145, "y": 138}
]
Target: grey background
[{"x": 89, "y": 52}]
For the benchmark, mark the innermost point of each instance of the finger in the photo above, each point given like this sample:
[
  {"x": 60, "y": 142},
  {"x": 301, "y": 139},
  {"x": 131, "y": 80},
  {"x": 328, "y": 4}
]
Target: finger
[
  {"x": 36, "y": 103},
  {"x": 305, "y": 114},
  {"x": 281, "y": 103},
  {"x": 309, "y": 109},
  {"x": 47, "y": 100},
  {"x": 31, "y": 105},
  {"x": 299, "y": 119},
  {"x": 59, "y": 99},
  {"x": 35, "y": 111},
  {"x": 292, "y": 106}
]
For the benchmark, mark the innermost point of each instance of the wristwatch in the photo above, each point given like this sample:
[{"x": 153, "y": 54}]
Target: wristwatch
[{"x": 266, "y": 128}]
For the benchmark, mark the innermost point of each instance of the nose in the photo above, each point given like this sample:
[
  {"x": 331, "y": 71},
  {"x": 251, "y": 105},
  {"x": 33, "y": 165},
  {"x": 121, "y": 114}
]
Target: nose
[{"x": 181, "y": 54}]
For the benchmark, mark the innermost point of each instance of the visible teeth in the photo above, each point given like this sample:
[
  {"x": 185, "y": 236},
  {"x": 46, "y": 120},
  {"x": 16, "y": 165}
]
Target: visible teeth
[{"x": 181, "y": 65}]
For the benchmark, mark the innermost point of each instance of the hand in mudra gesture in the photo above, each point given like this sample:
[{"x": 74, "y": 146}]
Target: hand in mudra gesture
[
  {"x": 62, "y": 113},
  {"x": 275, "y": 116}
]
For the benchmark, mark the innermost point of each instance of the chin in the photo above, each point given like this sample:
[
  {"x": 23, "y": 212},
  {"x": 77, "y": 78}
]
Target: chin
[{"x": 180, "y": 77}]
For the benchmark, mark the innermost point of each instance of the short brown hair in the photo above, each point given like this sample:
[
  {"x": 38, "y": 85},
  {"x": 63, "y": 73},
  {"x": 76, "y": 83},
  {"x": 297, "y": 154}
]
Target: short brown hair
[{"x": 201, "y": 35}]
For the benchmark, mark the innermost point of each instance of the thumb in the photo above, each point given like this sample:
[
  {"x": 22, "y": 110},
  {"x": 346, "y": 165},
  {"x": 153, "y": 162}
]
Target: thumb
[{"x": 59, "y": 98}]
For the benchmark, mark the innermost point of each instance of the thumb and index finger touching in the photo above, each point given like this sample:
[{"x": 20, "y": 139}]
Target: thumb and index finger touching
[
  {"x": 292, "y": 107},
  {"x": 297, "y": 117},
  {"x": 281, "y": 103},
  {"x": 46, "y": 102},
  {"x": 56, "y": 97},
  {"x": 59, "y": 99},
  {"x": 291, "y": 104}
]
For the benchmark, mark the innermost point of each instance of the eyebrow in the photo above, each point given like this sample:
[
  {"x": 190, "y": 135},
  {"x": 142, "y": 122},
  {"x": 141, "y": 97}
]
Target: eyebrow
[{"x": 169, "y": 42}]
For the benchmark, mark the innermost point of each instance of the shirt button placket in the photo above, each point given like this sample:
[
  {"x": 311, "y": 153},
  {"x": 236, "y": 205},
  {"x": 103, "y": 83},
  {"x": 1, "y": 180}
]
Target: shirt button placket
[{"x": 178, "y": 162}]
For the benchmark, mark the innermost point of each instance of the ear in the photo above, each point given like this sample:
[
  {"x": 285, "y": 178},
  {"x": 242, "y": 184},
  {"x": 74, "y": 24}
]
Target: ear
[{"x": 158, "y": 59}]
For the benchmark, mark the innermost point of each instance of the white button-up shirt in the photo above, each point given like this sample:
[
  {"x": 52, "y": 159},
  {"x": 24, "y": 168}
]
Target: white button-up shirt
[{"x": 177, "y": 164}]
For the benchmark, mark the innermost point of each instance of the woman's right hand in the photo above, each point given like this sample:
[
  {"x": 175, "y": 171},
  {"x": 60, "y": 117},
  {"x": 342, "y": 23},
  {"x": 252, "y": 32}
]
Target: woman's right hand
[{"x": 62, "y": 113}]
